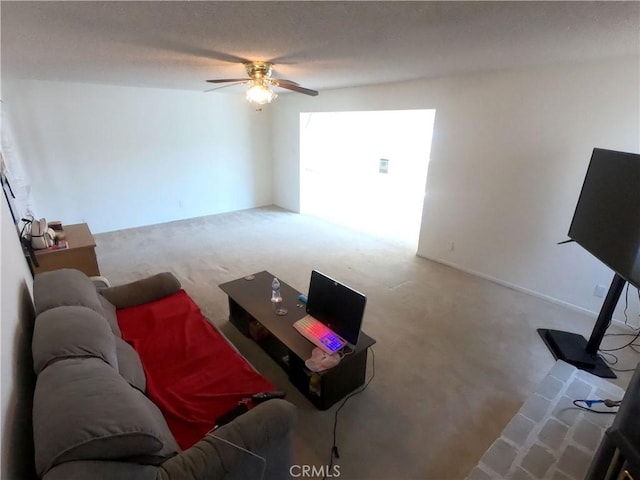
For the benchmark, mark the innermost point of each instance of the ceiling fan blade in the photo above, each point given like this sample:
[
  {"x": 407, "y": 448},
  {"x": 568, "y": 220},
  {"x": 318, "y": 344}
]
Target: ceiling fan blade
[
  {"x": 225, "y": 86},
  {"x": 225, "y": 80},
  {"x": 289, "y": 85}
]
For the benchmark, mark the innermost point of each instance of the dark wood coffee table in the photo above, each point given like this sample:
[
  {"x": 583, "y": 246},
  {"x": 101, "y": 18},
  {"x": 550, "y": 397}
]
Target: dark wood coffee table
[{"x": 251, "y": 312}]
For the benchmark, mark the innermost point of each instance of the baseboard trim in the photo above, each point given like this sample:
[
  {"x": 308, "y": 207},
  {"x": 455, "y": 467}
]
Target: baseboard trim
[{"x": 519, "y": 288}]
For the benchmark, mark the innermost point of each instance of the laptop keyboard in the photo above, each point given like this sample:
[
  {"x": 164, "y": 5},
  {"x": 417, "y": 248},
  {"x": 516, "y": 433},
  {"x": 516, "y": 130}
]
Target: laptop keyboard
[{"x": 319, "y": 334}]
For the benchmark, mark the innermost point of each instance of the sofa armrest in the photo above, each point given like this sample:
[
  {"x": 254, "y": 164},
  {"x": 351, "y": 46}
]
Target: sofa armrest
[
  {"x": 142, "y": 291},
  {"x": 265, "y": 431}
]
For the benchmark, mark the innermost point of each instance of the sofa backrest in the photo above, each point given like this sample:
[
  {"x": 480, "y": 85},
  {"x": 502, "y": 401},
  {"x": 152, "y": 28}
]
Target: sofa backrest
[
  {"x": 65, "y": 287},
  {"x": 89, "y": 401},
  {"x": 71, "y": 331}
]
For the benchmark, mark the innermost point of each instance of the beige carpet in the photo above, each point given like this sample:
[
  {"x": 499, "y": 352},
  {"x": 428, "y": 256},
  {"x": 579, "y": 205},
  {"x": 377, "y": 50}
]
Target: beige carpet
[{"x": 456, "y": 355}]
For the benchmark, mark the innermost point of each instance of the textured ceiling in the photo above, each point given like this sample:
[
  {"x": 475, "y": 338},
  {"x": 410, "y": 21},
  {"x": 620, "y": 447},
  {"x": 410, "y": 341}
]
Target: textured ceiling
[{"x": 320, "y": 45}]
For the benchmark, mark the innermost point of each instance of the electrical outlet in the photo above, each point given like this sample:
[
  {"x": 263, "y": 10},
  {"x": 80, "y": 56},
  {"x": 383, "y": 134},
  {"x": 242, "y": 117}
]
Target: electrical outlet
[{"x": 600, "y": 291}]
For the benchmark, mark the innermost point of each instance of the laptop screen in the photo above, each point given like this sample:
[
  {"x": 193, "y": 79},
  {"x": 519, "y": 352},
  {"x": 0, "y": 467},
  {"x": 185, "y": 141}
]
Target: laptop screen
[{"x": 339, "y": 307}]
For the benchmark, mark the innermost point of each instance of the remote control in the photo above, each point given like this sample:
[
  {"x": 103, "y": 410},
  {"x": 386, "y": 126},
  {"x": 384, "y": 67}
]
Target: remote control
[{"x": 264, "y": 396}]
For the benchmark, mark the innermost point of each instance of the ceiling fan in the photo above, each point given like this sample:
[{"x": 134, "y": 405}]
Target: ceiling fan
[{"x": 260, "y": 91}]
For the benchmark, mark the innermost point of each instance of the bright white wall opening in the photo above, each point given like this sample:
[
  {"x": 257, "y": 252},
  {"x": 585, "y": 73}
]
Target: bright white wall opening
[{"x": 367, "y": 170}]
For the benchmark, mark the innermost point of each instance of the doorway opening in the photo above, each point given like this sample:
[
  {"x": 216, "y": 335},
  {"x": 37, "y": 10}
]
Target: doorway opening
[{"x": 367, "y": 170}]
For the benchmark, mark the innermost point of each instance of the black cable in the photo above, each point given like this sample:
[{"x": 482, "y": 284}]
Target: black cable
[
  {"x": 620, "y": 334},
  {"x": 635, "y": 337},
  {"x": 623, "y": 370},
  {"x": 613, "y": 359},
  {"x": 334, "y": 447},
  {"x": 626, "y": 307},
  {"x": 611, "y": 363},
  {"x": 608, "y": 362}
]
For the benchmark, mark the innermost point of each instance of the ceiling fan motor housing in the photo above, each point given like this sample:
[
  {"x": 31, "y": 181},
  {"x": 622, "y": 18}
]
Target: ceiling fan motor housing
[
  {"x": 259, "y": 73},
  {"x": 258, "y": 70}
]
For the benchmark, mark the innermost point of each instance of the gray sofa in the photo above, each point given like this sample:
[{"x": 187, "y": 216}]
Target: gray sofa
[{"x": 91, "y": 418}]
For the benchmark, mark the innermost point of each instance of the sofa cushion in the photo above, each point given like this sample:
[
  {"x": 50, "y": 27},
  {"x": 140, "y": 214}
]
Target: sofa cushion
[
  {"x": 142, "y": 291},
  {"x": 65, "y": 287},
  {"x": 110, "y": 315},
  {"x": 71, "y": 331},
  {"x": 130, "y": 366},
  {"x": 84, "y": 410}
]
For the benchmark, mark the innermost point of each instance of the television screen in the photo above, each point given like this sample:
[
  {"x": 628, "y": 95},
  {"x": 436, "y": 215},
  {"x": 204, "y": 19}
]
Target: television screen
[
  {"x": 606, "y": 221},
  {"x": 339, "y": 307}
]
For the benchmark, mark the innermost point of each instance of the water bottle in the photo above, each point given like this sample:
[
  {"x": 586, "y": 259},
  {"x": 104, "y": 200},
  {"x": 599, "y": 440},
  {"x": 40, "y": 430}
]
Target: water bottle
[
  {"x": 276, "y": 298},
  {"x": 275, "y": 291}
]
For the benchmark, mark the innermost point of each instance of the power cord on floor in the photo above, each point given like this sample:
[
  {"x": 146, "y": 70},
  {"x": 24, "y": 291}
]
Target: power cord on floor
[
  {"x": 630, "y": 343},
  {"x": 588, "y": 404},
  {"x": 611, "y": 359},
  {"x": 334, "y": 447}
]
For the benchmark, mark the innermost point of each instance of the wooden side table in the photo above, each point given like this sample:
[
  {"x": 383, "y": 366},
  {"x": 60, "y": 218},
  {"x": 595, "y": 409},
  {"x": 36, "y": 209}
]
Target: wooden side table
[{"x": 80, "y": 254}]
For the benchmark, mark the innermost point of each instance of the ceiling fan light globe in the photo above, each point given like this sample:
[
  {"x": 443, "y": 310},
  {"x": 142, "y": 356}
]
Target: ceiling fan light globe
[{"x": 260, "y": 94}]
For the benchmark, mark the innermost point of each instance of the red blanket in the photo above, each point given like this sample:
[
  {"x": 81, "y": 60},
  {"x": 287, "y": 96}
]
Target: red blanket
[{"x": 193, "y": 374}]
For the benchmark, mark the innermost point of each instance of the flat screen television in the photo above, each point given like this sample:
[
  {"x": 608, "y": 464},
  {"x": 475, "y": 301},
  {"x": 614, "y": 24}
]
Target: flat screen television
[
  {"x": 336, "y": 305},
  {"x": 606, "y": 223}
]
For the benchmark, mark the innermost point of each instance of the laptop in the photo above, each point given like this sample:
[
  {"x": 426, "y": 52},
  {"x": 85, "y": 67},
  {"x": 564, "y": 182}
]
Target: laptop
[{"x": 334, "y": 314}]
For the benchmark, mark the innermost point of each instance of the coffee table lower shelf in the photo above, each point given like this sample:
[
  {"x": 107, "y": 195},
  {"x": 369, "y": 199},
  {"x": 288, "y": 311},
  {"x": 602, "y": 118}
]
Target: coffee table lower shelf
[
  {"x": 251, "y": 312},
  {"x": 323, "y": 389}
]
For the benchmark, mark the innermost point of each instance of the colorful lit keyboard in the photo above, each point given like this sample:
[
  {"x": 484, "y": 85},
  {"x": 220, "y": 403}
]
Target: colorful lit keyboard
[{"x": 319, "y": 334}]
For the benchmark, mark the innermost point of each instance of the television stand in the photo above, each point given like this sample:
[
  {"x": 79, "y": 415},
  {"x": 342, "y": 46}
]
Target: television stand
[{"x": 572, "y": 348}]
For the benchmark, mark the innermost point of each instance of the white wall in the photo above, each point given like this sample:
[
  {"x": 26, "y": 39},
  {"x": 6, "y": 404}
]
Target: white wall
[
  {"x": 509, "y": 154},
  {"x": 120, "y": 157},
  {"x": 16, "y": 366},
  {"x": 115, "y": 157}
]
